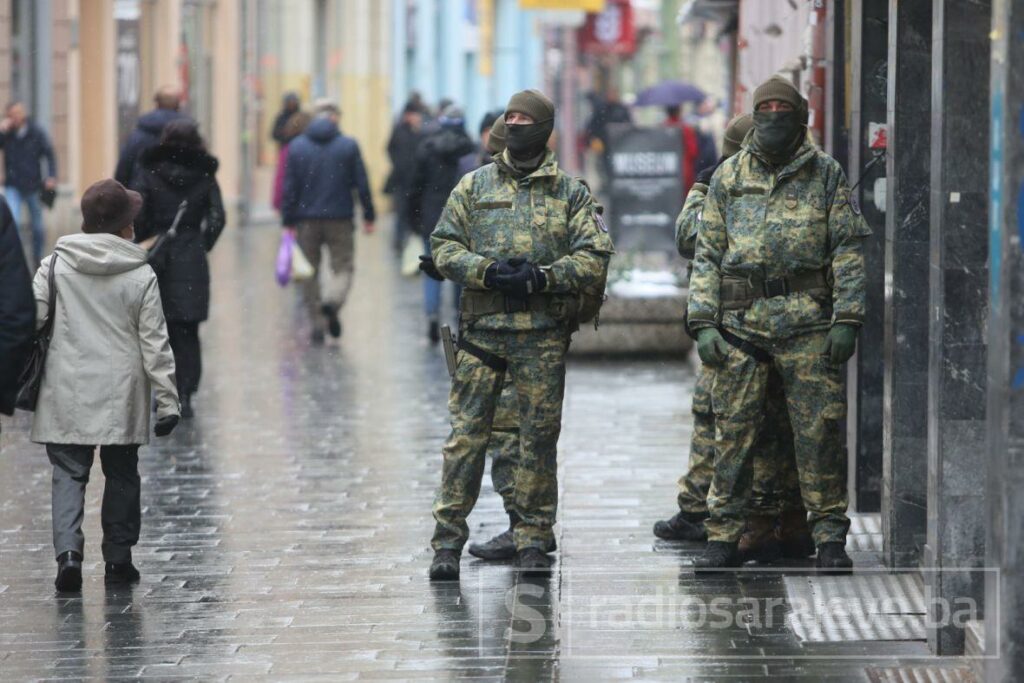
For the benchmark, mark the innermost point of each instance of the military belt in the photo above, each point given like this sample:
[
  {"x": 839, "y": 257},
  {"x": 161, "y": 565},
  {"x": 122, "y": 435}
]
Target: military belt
[
  {"x": 475, "y": 302},
  {"x": 752, "y": 350},
  {"x": 741, "y": 293}
]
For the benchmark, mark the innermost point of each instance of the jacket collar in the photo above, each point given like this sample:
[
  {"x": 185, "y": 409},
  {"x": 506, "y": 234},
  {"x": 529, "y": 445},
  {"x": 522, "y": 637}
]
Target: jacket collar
[{"x": 547, "y": 169}]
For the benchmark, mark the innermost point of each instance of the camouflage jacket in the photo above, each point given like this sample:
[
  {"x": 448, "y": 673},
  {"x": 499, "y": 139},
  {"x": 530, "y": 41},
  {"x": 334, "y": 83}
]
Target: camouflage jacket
[
  {"x": 765, "y": 223},
  {"x": 688, "y": 222},
  {"x": 547, "y": 217}
]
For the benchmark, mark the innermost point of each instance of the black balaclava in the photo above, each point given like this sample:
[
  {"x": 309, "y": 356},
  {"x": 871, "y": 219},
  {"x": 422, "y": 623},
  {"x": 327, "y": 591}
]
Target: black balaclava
[
  {"x": 779, "y": 134},
  {"x": 527, "y": 144}
]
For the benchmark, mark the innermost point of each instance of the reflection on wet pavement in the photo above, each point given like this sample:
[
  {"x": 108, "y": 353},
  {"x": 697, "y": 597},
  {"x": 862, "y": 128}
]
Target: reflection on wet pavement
[{"x": 286, "y": 529}]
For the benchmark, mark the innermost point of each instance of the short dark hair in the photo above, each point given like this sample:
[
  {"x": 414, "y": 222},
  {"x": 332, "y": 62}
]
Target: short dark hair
[{"x": 183, "y": 133}]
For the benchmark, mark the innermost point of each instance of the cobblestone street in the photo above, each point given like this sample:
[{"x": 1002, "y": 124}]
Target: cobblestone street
[{"x": 286, "y": 529}]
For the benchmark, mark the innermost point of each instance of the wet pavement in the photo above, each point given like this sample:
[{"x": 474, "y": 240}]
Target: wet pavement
[{"x": 286, "y": 529}]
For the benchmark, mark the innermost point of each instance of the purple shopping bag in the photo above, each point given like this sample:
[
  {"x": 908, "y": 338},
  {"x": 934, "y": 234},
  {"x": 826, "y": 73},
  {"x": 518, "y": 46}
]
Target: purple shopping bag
[{"x": 284, "y": 257}]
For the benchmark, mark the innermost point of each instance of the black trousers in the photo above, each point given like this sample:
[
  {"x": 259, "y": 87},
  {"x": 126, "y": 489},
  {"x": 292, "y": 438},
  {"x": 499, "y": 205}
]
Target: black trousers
[
  {"x": 188, "y": 360},
  {"x": 121, "y": 513}
]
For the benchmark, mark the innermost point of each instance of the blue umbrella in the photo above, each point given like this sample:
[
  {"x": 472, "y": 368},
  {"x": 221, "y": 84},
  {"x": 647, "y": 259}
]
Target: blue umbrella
[{"x": 669, "y": 94}]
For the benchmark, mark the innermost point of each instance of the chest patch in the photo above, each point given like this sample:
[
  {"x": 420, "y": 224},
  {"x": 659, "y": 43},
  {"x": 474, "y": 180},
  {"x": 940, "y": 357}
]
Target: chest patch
[
  {"x": 791, "y": 200},
  {"x": 494, "y": 205}
]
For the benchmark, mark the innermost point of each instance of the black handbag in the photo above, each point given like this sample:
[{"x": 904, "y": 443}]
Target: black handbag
[{"x": 32, "y": 375}]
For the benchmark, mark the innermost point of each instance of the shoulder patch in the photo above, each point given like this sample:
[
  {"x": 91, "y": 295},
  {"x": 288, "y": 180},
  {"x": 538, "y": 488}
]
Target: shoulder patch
[
  {"x": 599, "y": 219},
  {"x": 854, "y": 204}
]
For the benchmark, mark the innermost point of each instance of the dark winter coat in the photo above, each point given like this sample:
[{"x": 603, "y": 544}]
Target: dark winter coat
[
  {"x": 22, "y": 157},
  {"x": 437, "y": 174},
  {"x": 324, "y": 169},
  {"x": 402, "y": 151},
  {"x": 146, "y": 135},
  {"x": 168, "y": 174},
  {"x": 17, "y": 310}
]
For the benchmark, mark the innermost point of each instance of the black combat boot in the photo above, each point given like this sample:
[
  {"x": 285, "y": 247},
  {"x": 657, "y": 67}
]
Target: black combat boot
[
  {"x": 445, "y": 566},
  {"x": 532, "y": 562},
  {"x": 832, "y": 556},
  {"x": 501, "y": 547},
  {"x": 69, "y": 572},
  {"x": 717, "y": 555},
  {"x": 794, "y": 535},
  {"x": 683, "y": 526},
  {"x": 758, "y": 542},
  {"x": 187, "y": 413},
  {"x": 120, "y": 573}
]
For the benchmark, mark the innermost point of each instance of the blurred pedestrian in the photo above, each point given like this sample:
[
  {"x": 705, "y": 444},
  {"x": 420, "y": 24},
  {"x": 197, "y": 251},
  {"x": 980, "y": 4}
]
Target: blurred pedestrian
[
  {"x": 524, "y": 282},
  {"x": 17, "y": 310},
  {"x": 290, "y": 105},
  {"x": 147, "y": 132},
  {"x": 698, "y": 147},
  {"x": 26, "y": 145},
  {"x": 482, "y": 155},
  {"x": 402, "y": 145},
  {"x": 606, "y": 112},
  {"x": 437, "y": 174},
  {"x": 178, "y": 170},
  {"x": 109, "y": 350},
  {"x": 324, "y": 170},
  {"x": 293, "y": 128},
  {"x": 778, "y": 285}
]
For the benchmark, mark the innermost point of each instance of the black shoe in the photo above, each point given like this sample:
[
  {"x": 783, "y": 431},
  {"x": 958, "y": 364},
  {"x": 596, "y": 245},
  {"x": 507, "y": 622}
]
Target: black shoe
[
  {"x": 317, "y": 338},
  {"x": 434, "y": 332},
  {"x": 717, "y": 555},
  {"x": 333, "y": 323},
  {"x": 832, "y": 556},
  {"x": 501, "y": 547},
  {"x": 120, "y": 573},
  {"x": 445, "y": 566},
  {"x": 69, "y": 572},
  {"x": 683, "y": 526},
  {"x": 532, "y": 562},
  {"x": 186, "y": 408}
]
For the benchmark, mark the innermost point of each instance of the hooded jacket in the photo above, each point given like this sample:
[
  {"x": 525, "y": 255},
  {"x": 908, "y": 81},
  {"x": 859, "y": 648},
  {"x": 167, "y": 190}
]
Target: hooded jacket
[
  {"x": 324, "y": 169},
  {"x": 166, "y": 175},
  {"x": 146, "y": 134},
  {"x": 109, "y": 345},
  {"x": 437, "y": 174}
]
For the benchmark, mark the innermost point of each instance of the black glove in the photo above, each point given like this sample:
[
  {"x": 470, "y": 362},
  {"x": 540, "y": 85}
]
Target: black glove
[
  {"x": 704, "y": 175},
  {"x": 165, "y": 425},
  {"x": 523, "y": 279},
  {"x": 429, "y": 269},
  {"x": 502, "y": 267}
]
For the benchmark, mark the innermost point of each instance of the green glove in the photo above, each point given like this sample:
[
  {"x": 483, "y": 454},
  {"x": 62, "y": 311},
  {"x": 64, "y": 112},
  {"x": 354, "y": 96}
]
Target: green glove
[
  {"x": 840, "y": 343},
  {"x": 711, "y": 347}
]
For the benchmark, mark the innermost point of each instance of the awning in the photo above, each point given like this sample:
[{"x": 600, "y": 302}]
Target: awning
[{"x": 720, "y": 11}]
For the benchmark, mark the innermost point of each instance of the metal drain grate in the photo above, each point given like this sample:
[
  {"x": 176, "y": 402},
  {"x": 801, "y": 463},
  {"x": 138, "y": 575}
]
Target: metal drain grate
[{"x": 869, "y": 606}]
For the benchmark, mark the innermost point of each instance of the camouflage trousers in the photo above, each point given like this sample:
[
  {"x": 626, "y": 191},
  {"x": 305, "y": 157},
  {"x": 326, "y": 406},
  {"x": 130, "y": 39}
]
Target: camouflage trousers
[
  {"x": 775, "y": 487},
  {"x": 816, "y": 401},
  {"x": 503, "y": 446},
  {"x": 536, "y": 366}
]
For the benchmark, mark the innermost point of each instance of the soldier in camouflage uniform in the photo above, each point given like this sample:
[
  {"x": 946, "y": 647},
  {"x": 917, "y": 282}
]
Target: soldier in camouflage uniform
[
  {"x": 776, "y": 490},
  {"x": 524, "y": 240},
  {"x": 778, "y": 284}
]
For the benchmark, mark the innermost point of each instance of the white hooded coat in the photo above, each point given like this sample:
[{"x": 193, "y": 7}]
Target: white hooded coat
[{"x": 109, "y": 345}]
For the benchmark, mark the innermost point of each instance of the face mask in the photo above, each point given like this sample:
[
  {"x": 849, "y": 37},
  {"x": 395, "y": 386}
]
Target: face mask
[
  {"x": 777, "y": 131},
  {"x": 525, "y": 142}
]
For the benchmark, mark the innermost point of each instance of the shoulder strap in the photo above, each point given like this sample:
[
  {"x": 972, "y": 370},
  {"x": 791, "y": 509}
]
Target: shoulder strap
[{"x": 51, "y": 279}]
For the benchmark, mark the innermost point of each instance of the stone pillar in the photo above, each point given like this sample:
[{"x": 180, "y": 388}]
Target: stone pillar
[
  {"x": 869, "y": 48},
  {"x": 958, "y": 282},
  {"x": 1005, "y": 448},
  {"x": 905, "y": 330}
]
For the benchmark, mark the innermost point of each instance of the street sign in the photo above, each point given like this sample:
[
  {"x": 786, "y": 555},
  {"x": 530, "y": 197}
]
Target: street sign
[
  {"x": 646, "y": 187},
  {"x": 585, "y": 5}
]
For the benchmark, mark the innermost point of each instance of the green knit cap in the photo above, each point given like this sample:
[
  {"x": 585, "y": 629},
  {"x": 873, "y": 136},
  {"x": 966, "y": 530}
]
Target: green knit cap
[
  {"x": 735, "y": 132},
  {"x": 496, "y": 141},
  {"x": 533, "y": 103},
  {"x": 778, "y": 88}
]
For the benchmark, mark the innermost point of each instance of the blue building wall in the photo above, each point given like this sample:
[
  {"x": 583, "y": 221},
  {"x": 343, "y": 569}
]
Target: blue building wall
[{"x": 437, "y": 58}]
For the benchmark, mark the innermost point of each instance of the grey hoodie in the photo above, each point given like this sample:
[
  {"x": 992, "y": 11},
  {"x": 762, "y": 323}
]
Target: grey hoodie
[{"x": 109, "y": 346}]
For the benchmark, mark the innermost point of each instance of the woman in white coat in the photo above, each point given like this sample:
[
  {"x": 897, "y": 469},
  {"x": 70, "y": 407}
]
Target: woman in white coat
[{"x": 109, "y": 350}]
